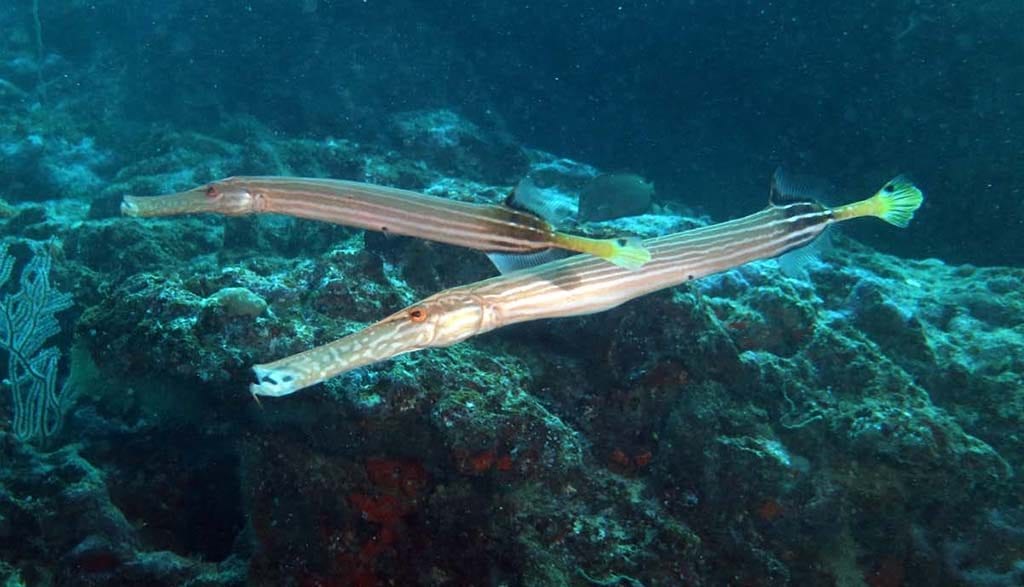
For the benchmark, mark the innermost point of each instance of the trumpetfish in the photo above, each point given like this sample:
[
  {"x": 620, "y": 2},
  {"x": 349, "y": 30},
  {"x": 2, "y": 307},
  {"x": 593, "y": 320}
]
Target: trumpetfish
[
  {"x": 496, "y": 229},
  {"x": 581, "y": 285}
]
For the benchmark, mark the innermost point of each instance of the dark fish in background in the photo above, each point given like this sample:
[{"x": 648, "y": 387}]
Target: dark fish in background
[{"x": 615, "y": 195}]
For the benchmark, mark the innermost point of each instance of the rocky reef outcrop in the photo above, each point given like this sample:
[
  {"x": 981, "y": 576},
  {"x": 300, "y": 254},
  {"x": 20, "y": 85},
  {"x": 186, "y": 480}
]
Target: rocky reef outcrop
[{"x": 856, "y": 425}]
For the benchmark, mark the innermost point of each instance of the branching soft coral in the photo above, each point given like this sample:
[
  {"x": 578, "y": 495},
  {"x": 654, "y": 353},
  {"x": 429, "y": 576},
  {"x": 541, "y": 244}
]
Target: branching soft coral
[
  {"x": 26, "y": 322},
  {"x": 38, "y": 27}
]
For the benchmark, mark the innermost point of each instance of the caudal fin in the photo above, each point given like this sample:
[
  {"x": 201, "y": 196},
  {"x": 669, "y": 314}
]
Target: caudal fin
[
  {"x": 895, "y": 203},
  {"x": 898, "y": 200},
  {"x": 627, "y": 252}
]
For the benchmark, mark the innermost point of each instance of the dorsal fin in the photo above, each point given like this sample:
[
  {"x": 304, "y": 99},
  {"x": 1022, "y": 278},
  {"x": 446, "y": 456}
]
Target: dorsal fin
[
  {"x": 528, "y": 197},
  {"x": 510, "y": 199},
  {"x": 508, "y": 262},
  {"x": 789, "y": 189}
]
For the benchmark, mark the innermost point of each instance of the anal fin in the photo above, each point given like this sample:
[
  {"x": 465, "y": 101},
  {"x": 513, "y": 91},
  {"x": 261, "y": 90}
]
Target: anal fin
[
  {"x": 508, "y": 262},
  {"x": 794, "y": 263}
]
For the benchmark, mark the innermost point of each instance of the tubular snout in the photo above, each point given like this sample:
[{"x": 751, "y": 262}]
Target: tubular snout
[
  {"x": 228, "y": 197},
  {"x": 441, "y": 320}
]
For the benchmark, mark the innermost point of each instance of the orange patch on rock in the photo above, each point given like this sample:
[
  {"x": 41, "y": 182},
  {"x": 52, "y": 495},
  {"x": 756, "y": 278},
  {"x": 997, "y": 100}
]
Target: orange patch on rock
[
  {"x": 642, "y": 459},
  {"x": 770, "y": 510},
  {"x": 407, "y": 477},
  {"x": 482, "y": 462},
  {"x": 381, "y": 509},
  {"x": 619, "y": 457},
  {"x": 504, "y": 463}
]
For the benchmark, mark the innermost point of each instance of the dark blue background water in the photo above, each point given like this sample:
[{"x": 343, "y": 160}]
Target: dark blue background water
[
  {"x": 705, "y": 98},
  {"x": 859, "y": 426}
]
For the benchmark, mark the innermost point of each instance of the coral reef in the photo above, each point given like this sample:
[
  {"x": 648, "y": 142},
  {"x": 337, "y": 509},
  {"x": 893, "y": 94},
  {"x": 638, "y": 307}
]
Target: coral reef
[
  {"x": 61, "y": 525},
  {"x": 856, "y": 426}
]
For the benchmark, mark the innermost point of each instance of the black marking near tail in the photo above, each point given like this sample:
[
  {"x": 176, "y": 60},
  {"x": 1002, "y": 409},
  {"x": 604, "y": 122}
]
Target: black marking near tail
[
  {"x": 526, "y": 197},
  {"x": 807, "y": 214},
  {"x": 510, "y": 201}
]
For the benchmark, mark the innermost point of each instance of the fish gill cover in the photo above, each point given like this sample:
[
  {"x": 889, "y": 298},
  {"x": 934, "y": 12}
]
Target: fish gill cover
[{"x": 856, "y": 425}]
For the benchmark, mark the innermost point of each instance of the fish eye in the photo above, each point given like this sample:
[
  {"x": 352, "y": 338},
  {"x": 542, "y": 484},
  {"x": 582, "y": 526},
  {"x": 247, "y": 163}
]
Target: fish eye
[
  {"x": 417, "y": 314},
  {"x": 211, "y": 192}
]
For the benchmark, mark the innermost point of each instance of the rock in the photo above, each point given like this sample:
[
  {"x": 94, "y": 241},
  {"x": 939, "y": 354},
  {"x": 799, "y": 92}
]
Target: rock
[
  {"x": 745, "y": 427},
  {"x": 455, "y": 146}
]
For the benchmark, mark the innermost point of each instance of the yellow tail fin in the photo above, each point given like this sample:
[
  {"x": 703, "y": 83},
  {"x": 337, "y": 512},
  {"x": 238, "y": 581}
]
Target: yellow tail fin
[
  {"x": 895, "y": 203},
  {"x": 627, "y": 252}
]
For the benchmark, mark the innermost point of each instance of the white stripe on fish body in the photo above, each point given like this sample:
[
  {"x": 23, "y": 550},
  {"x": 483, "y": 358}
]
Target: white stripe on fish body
[
  {"x": 576, "y": 286},
  {"x": 411, "y": 214},
  {"x": 755, "y": 220},
  {"x": 596, "y": 293},
  {"x": 582, "y": 269},
  {"x": 469, "y": 234},
  {"x": 369, "y": 215}
]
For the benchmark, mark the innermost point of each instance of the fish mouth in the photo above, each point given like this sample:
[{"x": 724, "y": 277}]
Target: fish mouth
[
  {"x": 189, "y": 202},
  {"x": 384, "y": 340},
  {"x": 129, "y": 207},
  {"x": 271, "y": 382}
]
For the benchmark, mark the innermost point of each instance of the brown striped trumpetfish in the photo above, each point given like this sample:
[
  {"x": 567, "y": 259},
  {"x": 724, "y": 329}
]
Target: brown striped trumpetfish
[{"x": 493, "y": 228}]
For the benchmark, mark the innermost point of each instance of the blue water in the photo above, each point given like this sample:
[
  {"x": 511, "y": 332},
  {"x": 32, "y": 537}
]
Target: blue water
[{"x": 856, "y": 422}]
